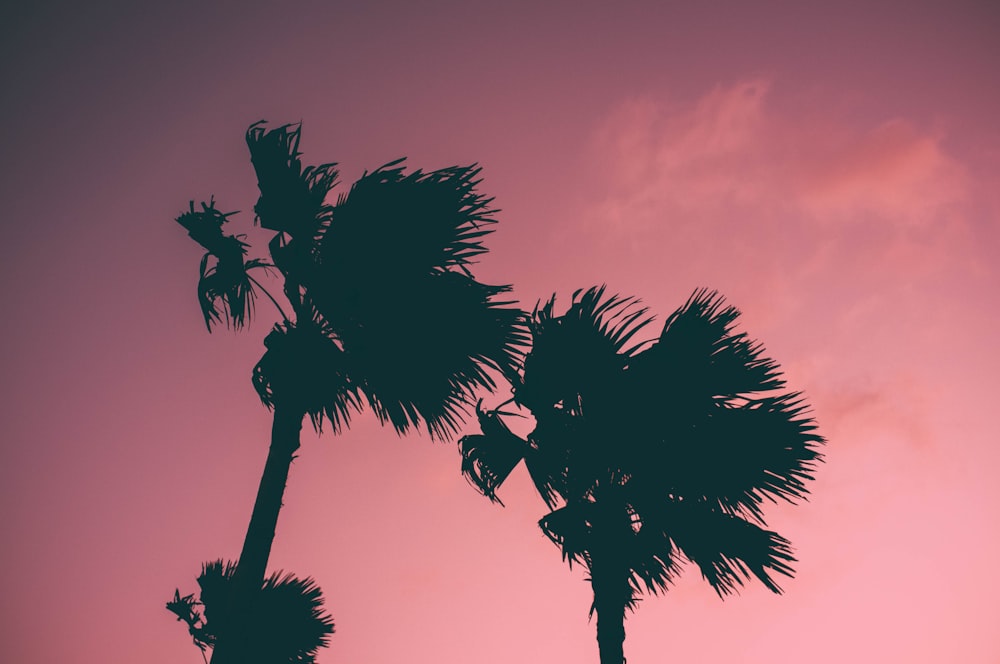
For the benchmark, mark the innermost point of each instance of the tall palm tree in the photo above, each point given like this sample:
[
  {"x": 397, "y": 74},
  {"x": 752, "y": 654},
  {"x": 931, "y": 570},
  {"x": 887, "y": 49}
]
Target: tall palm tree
[
  {"x": 384, "y": 311},
  {"x": 651, "y": 453}
]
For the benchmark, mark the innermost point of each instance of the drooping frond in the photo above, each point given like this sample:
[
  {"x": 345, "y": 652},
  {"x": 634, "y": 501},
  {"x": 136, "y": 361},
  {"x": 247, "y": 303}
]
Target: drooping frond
[
  {"x": 727, "y": 549},
  {"x": 555, "y": 443},
  {"x": 224, "y": 286},
  {"x": 737, "y": 455},
  {"x": 488, "y": 458},
  {"x": 305, "y": 367},
  {"x": 610, "y": 537},
  {"x": 655, "y": 563},
  {"x": 292, "y": 198},
  {"x": 420, "y": 333},
  {"x": 571, "y": 529},
  {"x": 426, "y": 348}
]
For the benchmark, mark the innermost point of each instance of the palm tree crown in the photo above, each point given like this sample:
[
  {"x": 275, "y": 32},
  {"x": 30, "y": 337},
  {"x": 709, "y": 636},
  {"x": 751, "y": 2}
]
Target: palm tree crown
[
  {"x": 379, "y": 283},
  {"x": 384, "y": 275},
  {"x": 655, "y": 452}
]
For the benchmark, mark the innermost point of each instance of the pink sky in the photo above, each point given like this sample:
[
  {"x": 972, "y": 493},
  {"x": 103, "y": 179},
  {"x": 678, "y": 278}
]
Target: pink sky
[{"x": 834, "y": 172}]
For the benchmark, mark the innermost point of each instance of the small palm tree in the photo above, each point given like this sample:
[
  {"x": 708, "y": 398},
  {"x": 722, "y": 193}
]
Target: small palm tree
[
  {"x": 384, "y": 312},
  {"x": 651, "y": 453},
  {"x": 287, "y": 623}
]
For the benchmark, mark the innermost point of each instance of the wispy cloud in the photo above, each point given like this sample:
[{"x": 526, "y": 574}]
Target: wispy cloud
[
  {"x": 735, "y": 148},
  {"x": 893, "y": 171},
  {"x": 688, "y": 158}
]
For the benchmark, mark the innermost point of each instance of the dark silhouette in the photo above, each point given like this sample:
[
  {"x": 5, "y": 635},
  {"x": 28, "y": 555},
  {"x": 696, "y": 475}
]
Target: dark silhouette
[
  {"x": 287, "y": 622},
  {"x": 384, "y": 312},
  {"x": 651, "y": 453}
]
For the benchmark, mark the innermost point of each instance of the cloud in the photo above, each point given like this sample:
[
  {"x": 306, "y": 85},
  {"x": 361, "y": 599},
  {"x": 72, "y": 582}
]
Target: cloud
[
  {"x": 743, "y": 182},
  {"x": 734, "y": 147},
  {"x": 892, "y": 170},
  {"x": 659, "y": 154}
]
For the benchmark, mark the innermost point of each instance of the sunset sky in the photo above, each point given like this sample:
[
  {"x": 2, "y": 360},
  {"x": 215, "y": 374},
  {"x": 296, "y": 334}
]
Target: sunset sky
[{"x": 832, "y": 168}]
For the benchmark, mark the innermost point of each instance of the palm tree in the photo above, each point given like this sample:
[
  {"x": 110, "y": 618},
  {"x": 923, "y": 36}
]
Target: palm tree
[
  {"x": 651, "y": 453},
  {"x": 287, "y": 623},
  {"x": 384, "y": 312}
]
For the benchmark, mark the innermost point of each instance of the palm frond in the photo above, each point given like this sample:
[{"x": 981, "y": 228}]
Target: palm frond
[
  {"x": 292, "y": 198},
  {"x": 608, "y": 535},
  {"x": 284, "y": 622},
  {"x": 737, "y": 455},
  {"x": 224, "y": 285},
  {"x": 225, "y": 289},
  {"x": 654, "y": 561},
  {"x": 548, "y": 463},
  {"x": 617, "y": 318},
  {"x": 727, "y": 549},
  {"x": 566, "y": 457},
  {"x": 293, "y": 610},
  {"x": 572, "y": 381},
  {"x": 407, "y": 224},
  {"x": 185, "y": 610},
  {"x": 580, "y": 353},
  {"x": 205, "y": 226},
  {"x": 700, "y": 421},
  {"x": 422, "y": 348},
  {"x": 700, "y": 357},
  {"x": 571, "y": 529},
  {"x": 489, "y": 458}
]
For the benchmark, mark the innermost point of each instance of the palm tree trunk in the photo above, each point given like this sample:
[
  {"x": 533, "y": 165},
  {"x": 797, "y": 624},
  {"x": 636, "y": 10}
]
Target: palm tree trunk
[
  {"x": 611, "y": 594},
  {"x": 249, "y": 575},
  {"x": 609, "y": 604}
]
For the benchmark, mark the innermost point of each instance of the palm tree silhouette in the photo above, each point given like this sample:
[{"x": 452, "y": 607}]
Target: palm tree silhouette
[
  {"x": 651, "y": 453},
  {"x": 384, "y": 312},
  {"x": 287, "y": 623}
]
